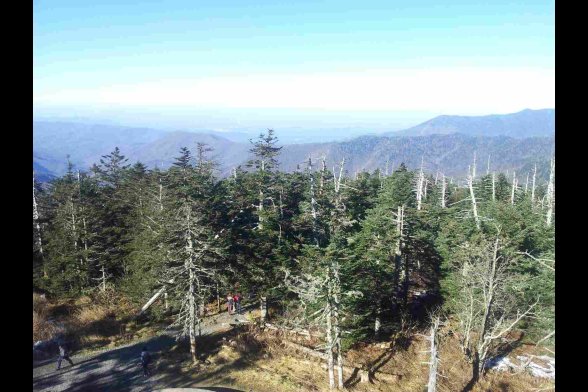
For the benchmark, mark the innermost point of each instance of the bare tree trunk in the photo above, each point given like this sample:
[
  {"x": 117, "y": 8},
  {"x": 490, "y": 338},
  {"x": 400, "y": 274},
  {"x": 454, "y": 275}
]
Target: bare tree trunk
[
  {"x": 443, "y": 190},
  {"x": 474, "y": 167},
  {"x": 339, "y": 360},
  {"x": 103, "y": 285},
  {"x": 85, "y": 229},
  {"x": 493, "y": 186},
  {"x": 337, "y": 290},
  {"x": 160, "y": 196},
  {"x": 73, "y": 226},
  {"x": 192, "y": 316},
  {"x": 323, "y": 171},
  {"x": 218, "y": 302},
  {"x": 434, "y": 358},
  {"x": 526, "y": 184},
  {"x": 313, "y": 201},
  {"x": 38, "y": 229},
  {"x": 330, "y": 343},
  {"x": 263, "y": 309},
  {"x": 473, "y": 198},
  {"x": 488, "y": 166},
  {"x": 399, "y": 229},
  {"x": 338, "y": 180},
  {"x": 425, "y": 188},
  {"x": 550, "y": 193},
  {"x": 378, "y": 323},
  {"x": 514, "y": 187},
  {"x": 419, "y": 186},
  {"x": 189, "y": 265},
  {"x": 533, "y": 185},
  {"x": 260, "y": 209}
]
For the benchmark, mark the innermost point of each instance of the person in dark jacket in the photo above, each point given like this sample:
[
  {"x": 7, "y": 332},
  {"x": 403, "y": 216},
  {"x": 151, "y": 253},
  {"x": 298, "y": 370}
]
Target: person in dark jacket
[
  {"x": 63, "y": 354},
  {"x": 145, "y": 361}
]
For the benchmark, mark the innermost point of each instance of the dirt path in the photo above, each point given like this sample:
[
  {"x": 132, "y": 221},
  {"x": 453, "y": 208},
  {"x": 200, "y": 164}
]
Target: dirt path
[{"x": 119, "y": 369}]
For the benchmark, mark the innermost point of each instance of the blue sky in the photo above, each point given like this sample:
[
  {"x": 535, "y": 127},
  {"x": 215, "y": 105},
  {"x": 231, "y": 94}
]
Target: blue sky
[{"x": 460, "y": 57}]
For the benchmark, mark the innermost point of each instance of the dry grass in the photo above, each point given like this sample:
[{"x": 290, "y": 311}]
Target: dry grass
[
  {"x": 90, "y": 322},
  {"x": 259, "y": 361},
  {"x": 43, "y": 329}
]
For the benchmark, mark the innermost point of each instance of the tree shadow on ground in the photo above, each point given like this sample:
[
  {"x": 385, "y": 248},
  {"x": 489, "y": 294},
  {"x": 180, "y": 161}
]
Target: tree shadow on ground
[
  {"x": 402, "y": 343},
  {"x": 94, "y": 374},
  {"x": 119, "y": 370},
  {"x": 503, "y": 350}
]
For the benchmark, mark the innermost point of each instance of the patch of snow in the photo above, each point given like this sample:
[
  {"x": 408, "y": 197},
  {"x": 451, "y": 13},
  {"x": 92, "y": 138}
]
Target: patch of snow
[{"x": 539, "y": 366}]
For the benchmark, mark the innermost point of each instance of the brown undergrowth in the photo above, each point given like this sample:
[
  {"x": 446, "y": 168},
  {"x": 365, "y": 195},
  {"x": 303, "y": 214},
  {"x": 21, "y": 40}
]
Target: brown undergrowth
[
  {"x": 251, "y": 359},
  {"x": 96, "y": 321}
]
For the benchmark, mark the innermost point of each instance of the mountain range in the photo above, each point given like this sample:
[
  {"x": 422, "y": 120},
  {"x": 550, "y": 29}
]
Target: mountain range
[
  {"x": 526, "y": 123},
  {"x": 445, "y": 143}
]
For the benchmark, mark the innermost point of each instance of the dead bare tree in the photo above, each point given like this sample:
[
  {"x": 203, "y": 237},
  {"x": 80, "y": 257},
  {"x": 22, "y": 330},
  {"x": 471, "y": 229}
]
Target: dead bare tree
[
  {"x": 434, "y": 338},
  {"x": 191, "y": 272},
  {"x": 493, "y": 186},
  {"x": 474, "y": 166},
  {"x": 550, "y": 193},
  {"x": 526, "y": 184},
  {"x": 513, "y": 188},
  {"x": 37, "y": 227},
  {"x": 443, "y": 191},
  {"x": 486, "y": 305},
  {"x": 470, "y": 182},
  {"x": 488, "y": 166},
  {"x": 319, "y": 294},
  {"x": 419, "y": 186},
  {"x": 533, "y": 185}
]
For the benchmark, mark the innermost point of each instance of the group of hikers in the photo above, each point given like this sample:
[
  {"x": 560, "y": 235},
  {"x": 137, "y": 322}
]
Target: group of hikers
[
  {"x": 233, "y": 306},
  {"x": 234, "y": 303}
]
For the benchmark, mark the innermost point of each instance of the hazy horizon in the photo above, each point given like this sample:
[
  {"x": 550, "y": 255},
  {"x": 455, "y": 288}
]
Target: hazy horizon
[{"x": 320, "y": 65}]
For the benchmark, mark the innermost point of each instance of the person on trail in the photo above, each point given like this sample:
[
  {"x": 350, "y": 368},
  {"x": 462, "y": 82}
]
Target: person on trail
[
  {"x": 230, "y": 303},
  {"x": 63, "y": 354},
  {"x": 145, "y": 361},
  {"x": 237, "y": 300}
]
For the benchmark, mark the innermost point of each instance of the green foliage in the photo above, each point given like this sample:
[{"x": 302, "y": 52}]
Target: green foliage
[{"x": 259, "y": 222}]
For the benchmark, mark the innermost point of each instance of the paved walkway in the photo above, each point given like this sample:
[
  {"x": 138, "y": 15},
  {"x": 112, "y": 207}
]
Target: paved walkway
[{"x": 118, "y": 369}]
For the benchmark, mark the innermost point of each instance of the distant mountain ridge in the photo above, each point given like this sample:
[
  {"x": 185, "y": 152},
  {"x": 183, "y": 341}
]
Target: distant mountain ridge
[
  {"x": 526, "y": 123},
  {"x": 445, "y": 150}
]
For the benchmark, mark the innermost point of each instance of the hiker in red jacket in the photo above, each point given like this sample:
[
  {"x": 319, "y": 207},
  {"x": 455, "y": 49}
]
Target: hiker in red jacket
[{"x": 237, "y": 300}]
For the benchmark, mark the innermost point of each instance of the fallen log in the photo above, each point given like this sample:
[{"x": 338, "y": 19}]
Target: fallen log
[
  {"x": 297, "y": 331},
  {"x": 364, "y": 375},
  {"x": 362, "y": 371},
  {"x": 306, "y": 350},
  {"x": 153, "y": 298}
]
